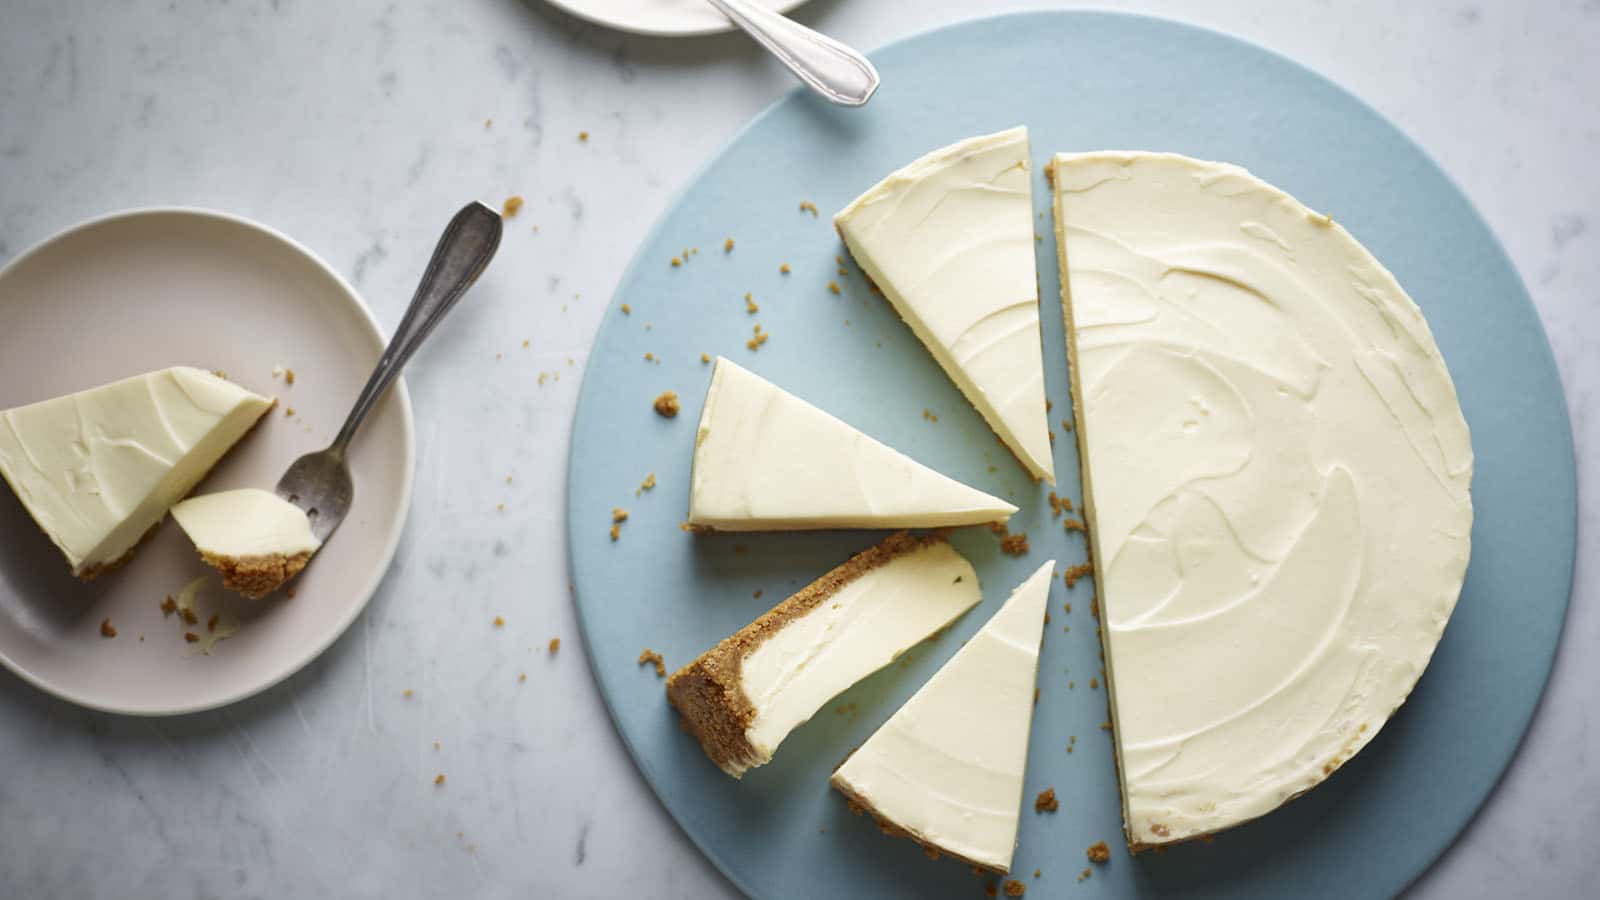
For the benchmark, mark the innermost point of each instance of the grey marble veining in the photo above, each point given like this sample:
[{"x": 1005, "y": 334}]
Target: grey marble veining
[{"x": 358, "y": 127}]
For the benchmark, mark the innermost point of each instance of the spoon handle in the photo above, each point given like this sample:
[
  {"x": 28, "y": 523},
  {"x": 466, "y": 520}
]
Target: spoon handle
[
  {"x": 465, "y": 248},
  {"x": 830, "y": 68}
]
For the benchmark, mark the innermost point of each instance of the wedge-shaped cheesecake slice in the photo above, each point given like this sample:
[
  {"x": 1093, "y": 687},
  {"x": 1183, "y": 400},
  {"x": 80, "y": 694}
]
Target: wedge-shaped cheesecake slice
[
  {"x": 741, "y": 698},
  {"x": 100, "y": 468},
  {"x": 946, "y": 769},
  {"x": 765, "y": 460},
  {"x": 256, "y": 539},
  {"x": 949, "y": 239},
  {"x": 1276, "y": 478}
]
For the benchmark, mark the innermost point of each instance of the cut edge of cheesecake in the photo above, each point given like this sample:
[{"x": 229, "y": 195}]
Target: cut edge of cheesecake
[
  {"x": 1038, "y": 461},
  {"x": 1017, "y": 606},
  {"x": 708, "y": 692}
]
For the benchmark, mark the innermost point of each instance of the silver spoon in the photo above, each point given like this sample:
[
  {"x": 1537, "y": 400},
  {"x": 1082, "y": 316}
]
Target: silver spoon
[
  {"x": 828, "y": 67},
  {"x": 319, "y": 483}
]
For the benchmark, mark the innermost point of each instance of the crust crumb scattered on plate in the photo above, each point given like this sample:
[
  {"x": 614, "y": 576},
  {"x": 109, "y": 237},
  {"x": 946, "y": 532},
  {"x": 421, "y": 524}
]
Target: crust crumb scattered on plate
[
  {"x": 1098, "y": 852},
  {"x": 1015, "y": 888},
  {"x": 1046, "y": 801},
  {"x": 666, "y": 405},
  {"x": 650, "y": 656},
  {"x": 1015, "y": 544},
  {"x": 107, "y": 630},
  {"x": 783, "y": 268},
  {"x": 808, "y": 206},
  {"x": 727, "y": 246}
]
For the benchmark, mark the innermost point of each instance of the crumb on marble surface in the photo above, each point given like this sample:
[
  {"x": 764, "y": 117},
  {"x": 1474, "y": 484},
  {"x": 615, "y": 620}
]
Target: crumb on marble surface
[
  {"x": 583, "y": 136},
  {"x": 555, "y": 646},
  {"x": 512, "y": 206},
  {"x": 438, "y": 779}
]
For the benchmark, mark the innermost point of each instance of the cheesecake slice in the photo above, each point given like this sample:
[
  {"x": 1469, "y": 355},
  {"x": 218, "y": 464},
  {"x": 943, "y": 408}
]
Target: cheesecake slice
[
  {"x": 946, "y": 769},
  {"x": 949, "y": 239},
  {"x": 741, "y": 698},
  {"x": 1276, "y": 480},
  {"x": 98, "y": 469},
  {"x": 765, "y": 460},
  {"x": 256, "y": 539}
]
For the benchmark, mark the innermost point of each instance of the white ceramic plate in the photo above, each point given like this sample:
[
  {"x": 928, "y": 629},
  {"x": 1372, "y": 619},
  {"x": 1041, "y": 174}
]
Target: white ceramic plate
[
  {"x": 152, "y": 288},
  {"x": 660, "y": 18}
]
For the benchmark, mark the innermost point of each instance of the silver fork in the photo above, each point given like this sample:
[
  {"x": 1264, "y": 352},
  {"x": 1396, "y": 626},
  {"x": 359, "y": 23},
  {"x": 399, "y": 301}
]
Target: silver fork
[{"x": 319, "y": 483}]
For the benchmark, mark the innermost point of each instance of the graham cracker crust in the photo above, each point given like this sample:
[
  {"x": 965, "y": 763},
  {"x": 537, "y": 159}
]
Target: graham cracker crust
[
  {"x": 256, "y": 576},
  {"x": 708, "y": 693},
  {"x": 95, "y": 571}
]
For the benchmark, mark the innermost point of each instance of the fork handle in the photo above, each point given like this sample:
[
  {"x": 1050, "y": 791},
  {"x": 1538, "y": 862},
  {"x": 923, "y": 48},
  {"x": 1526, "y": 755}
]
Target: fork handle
[
  {"x": 826, "y": 66},
  {"x": 464, "y": 250}
]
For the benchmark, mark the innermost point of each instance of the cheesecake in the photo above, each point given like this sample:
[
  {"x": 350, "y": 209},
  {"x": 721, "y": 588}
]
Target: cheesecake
[
  {"x": 1276, "y": 478},
  {"x": 949, "y": 239},
  {"x": 98, "y": 469},
  {"x": 947, "y": 768},
  {"x": 765, "y": 460},
  {"x": 256, "y": 539},
  {"x": 741, "y": 698}
]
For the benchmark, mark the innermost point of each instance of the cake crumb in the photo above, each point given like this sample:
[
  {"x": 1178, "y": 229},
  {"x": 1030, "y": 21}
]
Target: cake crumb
[
  {"x": 808, "y": 206},
  {"x": 650, "y": 656},
  {"x": 930, "y": 415},
  {"x": 1037, "y": 873},
  {"x": 406, "y": 693},
  {"x": 834, "y": 287},
  {"x": 647, "y": 484},
  {"x": 750, "y": 305},
  {"x": 666, "y": 404},
  {"x": 290, "y": 592},
  {"x": 757, "y": 594},
  {"x": 1094, "y": 683},
  {"x": 676, "y": 262},
  {"x": 512, "y": 206},
  {"x": 1074, "y": 525},
  {"x": 521, "y": 677},
  {"x": 438, "y": 779},
  {"x": 1085, "y": 874},
  {"x": 211, "y": 623},
  {"x": 930, "y": 853},
  {"x": 107, "y": 630},
  {"x": 1098, "y": 852},
  {"x": 191, "y": 637},
  {"x": 168, "y": 606},
  {"x": 1066, "y": 425},
  {"x": 1015, "y": 544},
  {"x": 727, "y": 246},
  {"x": 627, "y": 310},
  {"x": 555, "y": 646},
  {"x": 288, "y": 376},
  {"x": 1082, "y": 570},
  {"x": 618, "y": 514},
  {"x": 288, "y": 412},
  {"x": 990, "y": 890},
  {"x": 755, "y": 342},
  {"x": 783, "y": 268},
  {"x": 1015, "y": 888},
  {"x": 499, "y": 622},
  {"x": 188, "y": 615},
  {"x": 1105, "y": 726},
  {"x": 1046, "y": 801},
  {"x": 705, "y": 358}
]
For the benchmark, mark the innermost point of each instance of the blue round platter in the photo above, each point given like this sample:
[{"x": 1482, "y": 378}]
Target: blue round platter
[{"x": 1079, "y": 81}]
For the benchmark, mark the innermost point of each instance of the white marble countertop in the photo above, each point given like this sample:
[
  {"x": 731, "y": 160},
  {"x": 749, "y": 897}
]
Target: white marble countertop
[{"x": 358, "y": 127}]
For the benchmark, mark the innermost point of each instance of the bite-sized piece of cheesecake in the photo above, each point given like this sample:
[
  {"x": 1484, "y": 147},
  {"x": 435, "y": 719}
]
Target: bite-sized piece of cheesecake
[
  {"x": 255, "y": 538},
  {"x": 765, "y": 460},
  {"x": 741, "y": 698},
  {"x": 949, "y": 239},
  {"x": 947, "y": 768},
  {"x": 98, "y": 469},
  {"x": 1276, "y": 480}
]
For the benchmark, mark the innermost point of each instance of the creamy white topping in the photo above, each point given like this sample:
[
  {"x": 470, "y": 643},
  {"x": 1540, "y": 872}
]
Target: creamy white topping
[
  {"x": 857, "y": 631},
  {"x": 1277, "y": 480},
  {"x": 245, "y": 523},
  {"x": 948, "y": 765},
  {"x": 950, "y": 241},
  {"x": 765, "y": 460},
  {"x": 98, "y": 468}
]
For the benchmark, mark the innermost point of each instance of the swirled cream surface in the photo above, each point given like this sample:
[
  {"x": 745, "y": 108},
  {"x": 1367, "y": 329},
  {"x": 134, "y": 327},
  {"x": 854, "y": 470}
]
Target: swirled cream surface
[
  {"x": 99, "y": 468},
  {"x": 1276, "y": 476},
  {"x": 949, "y": 239},
  {"x": 765, "y": 460}
]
